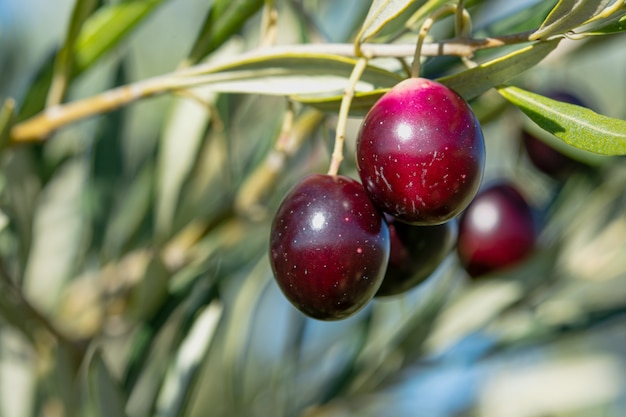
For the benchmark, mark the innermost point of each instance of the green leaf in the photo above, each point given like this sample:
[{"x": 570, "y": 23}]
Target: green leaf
[
  {"x": 105, "y": 396},
  {"x": 180, "y": 142},
  {"x": 243, "y": 310},
  {"x": 7, "y": 114},
  {"x": 35, "y": 98},
  {"x": 286, "y": 74},
  {"x": 63, "y": 61},
  {"x": 106, "y": 28},
  {"x": 81, "y": 12},
  {"x": 526, "y": 19},
  {"x": 468, "y": 84},
  {"x": 613, "y": 25},
  {"x": 574, "y": 125},
  {"x": 151, "y": 349},
  {"x": 310, "y": 63},
  {"x": 475, "y": 81},
  {"x": 181, "y": 377},
  {"x": 130, "y": 210},
  {"x": 361, "y": 102},
  {"x": 283, "y": 72},
  {"x": 567, "y": 15},
  {"x": 224, "y": 19},
  {"x": 382, "y": 12},
  {"x": 59, "y": 227},
  {"x": 394, "y": 22},
  {"x": 425, "y": 10}
]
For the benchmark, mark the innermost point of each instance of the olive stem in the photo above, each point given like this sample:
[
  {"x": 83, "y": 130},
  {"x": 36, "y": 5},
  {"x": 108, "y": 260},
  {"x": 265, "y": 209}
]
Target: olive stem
[
  {"x": 459, "y": 22},
  {"x": 464, "y": 22},
  {"x": 344, "y": 109},
  {"x": 423, "y": 32}
]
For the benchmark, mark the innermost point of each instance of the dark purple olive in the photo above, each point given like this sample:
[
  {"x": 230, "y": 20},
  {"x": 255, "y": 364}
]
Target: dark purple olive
[
  {"x": 416, "y": 252},
  {"x": 329, "y": 247},
  {"x": 421, "y": 153},
  {"x": 496, "y": 231}
]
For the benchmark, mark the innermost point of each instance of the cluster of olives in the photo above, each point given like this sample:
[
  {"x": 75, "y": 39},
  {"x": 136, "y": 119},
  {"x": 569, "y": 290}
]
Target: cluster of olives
[{"x": 336, "y": 242}]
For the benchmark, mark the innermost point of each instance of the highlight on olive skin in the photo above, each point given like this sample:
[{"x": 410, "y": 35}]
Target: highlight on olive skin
[
  {"x": 421, "y": 152},
  {"x": 329, "y": 247},
  {"x": 497, "y": 231}
]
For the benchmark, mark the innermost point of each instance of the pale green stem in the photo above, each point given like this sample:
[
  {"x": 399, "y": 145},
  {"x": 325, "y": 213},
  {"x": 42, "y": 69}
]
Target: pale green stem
[
  {"x": 424, "y": 29},
  {"x": 344, "y": 110}
]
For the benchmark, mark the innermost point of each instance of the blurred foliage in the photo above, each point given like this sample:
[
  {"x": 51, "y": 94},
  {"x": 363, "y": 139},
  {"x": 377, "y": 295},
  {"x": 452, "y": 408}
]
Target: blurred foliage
[{"x": 134, "y": 277}]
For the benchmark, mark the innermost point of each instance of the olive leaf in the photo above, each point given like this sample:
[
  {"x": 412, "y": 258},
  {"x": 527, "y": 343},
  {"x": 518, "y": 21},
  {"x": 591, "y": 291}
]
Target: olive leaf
[
  {"x": 223, "y": 20},
  {"x": 59, "y": 222},
  {"x": 278, "y": 68},
  {"x": 63, "y": 61},
  {"x": 179, "y": 152},
  {"x": 7, "y": 113},
  {"x": 101, "y": 32},
  {"x": 519, "y": 19},
  {"x": 182, "y": 375},
  {"x": 575, "y": 125},
  {"x": 361, "y": 102},
  {"x": 274, "y": 73},
  {"x": 388, "y": 22},
  {"x": 133, "y": 204},
  {"x": 473, "y": 82},
  {"x": 567, "y": 15},
  {"x": 382, "y": 12},
  {"x": 107, "y": 27},
  {"x": 610, "y": 26},
  {"x": 105, "y": 397},
  {"x": 468, "y": 84},
  {"x": 429, "y": 7}
]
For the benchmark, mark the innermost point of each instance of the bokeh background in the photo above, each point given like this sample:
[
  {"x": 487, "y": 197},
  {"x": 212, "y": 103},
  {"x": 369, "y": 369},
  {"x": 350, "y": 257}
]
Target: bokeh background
[{"x": 135, "y": 235}]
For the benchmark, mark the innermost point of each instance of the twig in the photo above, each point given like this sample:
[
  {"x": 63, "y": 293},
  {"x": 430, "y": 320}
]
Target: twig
[
  {"x": 42, "y": 125},
  {"x": 460, "y": 26},
  {"x": 424, "y": 29}
]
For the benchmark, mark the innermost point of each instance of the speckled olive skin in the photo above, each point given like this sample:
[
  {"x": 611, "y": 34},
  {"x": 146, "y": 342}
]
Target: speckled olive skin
[
  {"x": 329, "y": 247},
  {"x": 421, "y": 153},
  {"x": 416, "y": 252},
  {"x": 496, "y": 231}
]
